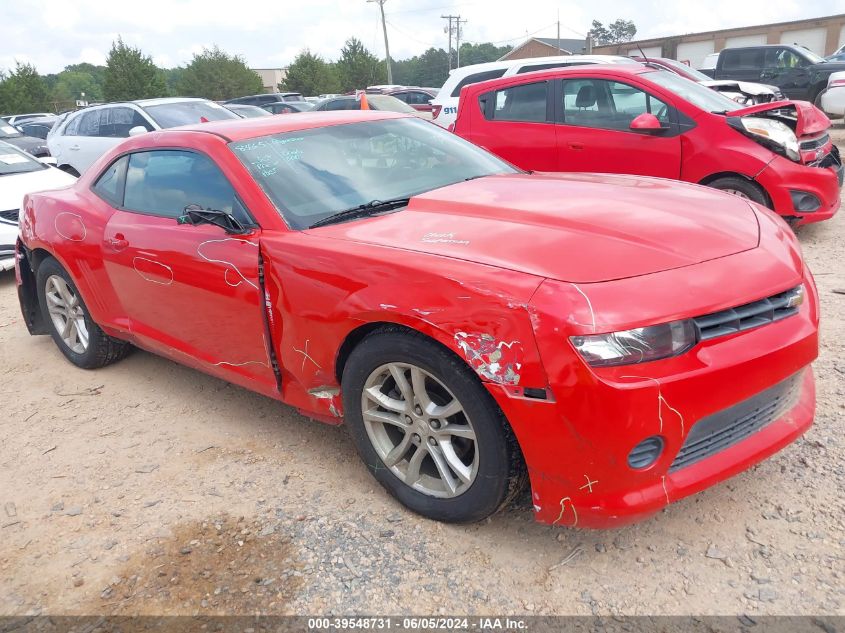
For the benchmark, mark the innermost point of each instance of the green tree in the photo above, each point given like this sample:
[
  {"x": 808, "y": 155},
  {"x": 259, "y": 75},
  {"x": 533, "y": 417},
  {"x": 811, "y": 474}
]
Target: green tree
[
  {"x": 358, "y": 68},
  {"x": 71, "y": 85},
  {"x": 310, "y": 75},
  {"x": 216, "y": 75},
  {"x": 23, "y": 90},
  {"x": 131, "y": 75},
  {"x": 616, "y": 32}
]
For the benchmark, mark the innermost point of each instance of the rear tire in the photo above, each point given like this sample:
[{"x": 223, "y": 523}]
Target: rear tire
[
  {"x": 77, "y": 336},
  {"x": 741, "y": 187},
  {"x": 458, "y": 478}
]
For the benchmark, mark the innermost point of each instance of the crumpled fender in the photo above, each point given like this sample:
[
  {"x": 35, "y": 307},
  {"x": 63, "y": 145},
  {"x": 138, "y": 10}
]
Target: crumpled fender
[{"x": 319, "y": 291}]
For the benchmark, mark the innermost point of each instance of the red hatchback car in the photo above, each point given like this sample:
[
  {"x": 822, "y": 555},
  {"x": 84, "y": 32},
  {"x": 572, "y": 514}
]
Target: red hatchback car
[
  {"x": 473, "y": 325},
  {"x": 638, "y": 120}
]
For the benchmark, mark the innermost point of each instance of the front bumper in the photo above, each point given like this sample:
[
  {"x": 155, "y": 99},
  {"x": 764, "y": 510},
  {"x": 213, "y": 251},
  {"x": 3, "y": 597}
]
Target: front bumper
[
  {"x": 825, "y": 183},
  {"x": 576, "y": 442}
]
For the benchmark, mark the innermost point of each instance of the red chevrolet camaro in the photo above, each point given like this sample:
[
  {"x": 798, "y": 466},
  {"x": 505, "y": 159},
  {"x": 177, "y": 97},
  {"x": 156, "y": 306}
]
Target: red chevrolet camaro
[{"x": 622, "y": 342}]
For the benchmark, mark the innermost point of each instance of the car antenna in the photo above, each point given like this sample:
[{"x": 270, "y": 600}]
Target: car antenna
[{"x": 640, "y": 48}]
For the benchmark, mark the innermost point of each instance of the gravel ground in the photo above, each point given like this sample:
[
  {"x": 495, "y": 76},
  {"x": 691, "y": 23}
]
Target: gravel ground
[{"x": 149, "y": 488}]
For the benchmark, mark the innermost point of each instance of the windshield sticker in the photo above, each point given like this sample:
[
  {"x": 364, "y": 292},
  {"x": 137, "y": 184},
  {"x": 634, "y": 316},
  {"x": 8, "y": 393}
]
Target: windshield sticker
[
  {"x": 12, "y": 159},
  {"x": 247, "y": 147}
]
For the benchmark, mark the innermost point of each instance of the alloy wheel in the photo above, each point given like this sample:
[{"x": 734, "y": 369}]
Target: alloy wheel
[
  {"x": 420, "y": 430},
  {"x": 66, "y": 313}
]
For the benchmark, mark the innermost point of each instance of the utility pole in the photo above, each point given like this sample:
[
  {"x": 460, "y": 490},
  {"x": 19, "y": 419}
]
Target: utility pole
[
  {"x": 448, "y": 29},
  {"x": 558, "y": 31},
  {"x": 458, "y": 22},
  {"x": 386, "y": 47}
]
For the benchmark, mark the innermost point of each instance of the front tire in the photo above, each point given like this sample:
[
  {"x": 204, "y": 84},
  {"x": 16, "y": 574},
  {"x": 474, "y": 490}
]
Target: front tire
[
  {"x": 741, "y": 187},
  {"x": 77, "y": 336},
  {"x": 427, "y": 429}
]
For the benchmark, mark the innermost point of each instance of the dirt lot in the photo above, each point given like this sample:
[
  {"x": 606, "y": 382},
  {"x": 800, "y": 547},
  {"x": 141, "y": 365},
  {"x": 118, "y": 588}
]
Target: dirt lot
[{"x": 148, "y": 488}]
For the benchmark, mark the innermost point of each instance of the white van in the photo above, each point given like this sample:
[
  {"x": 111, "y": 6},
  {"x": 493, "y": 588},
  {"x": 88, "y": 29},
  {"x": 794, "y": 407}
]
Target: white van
[{"x": 446, "y": 102}]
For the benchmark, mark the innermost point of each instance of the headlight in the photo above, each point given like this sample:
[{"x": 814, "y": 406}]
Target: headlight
[
  {"x": 639, "y": 345},
  {"x": 773, "y": 134}
]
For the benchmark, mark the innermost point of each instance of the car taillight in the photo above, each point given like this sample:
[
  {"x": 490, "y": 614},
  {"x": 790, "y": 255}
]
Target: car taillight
[
  {"x": 451, "y": 127},
  {"x": 435, "y": 111}
]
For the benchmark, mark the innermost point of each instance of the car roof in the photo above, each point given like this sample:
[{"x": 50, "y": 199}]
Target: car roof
[
  {"x": 634, "y": 68},
  {"x": 159, "y": 101},
  {"x": 242, "y": 129},
  {"x": 474, "y": 68}
]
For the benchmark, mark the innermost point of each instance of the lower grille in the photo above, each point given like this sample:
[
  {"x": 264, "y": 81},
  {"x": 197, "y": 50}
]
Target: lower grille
[{"x": 729, "y": 426}]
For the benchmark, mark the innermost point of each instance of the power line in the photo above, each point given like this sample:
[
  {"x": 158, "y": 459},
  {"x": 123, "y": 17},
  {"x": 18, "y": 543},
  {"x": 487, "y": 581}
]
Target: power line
[
  {"x": 409, "y": 36},
  {"x": 511, "y": 39}
]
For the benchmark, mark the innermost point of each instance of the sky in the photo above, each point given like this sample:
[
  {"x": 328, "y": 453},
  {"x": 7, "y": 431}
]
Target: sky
[{"x": 52, "y": 34}]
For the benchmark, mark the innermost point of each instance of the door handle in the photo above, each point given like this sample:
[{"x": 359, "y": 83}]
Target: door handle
[
  {"x": 74, "y": 148},
  {"x": 573, "y": 145},
  {"x": 118, "y": 242}
]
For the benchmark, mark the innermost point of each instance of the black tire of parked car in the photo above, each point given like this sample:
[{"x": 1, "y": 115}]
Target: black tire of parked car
[
  {"x": 102, "y": 349},
  {"x": 747, "y": 188},
  {"x": 501, "y": 472},
  {"x": 69, "y": 170}
]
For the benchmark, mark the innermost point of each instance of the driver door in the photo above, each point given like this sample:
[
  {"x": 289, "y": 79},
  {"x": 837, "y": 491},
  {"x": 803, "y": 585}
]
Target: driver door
[
  {"x": 594, "y": 134},
  {"x": 187, "y": 291}
]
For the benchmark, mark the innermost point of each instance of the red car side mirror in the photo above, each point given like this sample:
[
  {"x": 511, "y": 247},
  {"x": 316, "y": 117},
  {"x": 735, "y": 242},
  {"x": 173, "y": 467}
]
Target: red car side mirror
[{"x": 646, "y": 122}]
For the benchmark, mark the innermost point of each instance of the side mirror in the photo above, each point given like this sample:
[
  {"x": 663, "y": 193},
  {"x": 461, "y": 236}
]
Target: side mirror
[
  {"x": 138, "y": 129},
  {"x": 647, "y": 123}
]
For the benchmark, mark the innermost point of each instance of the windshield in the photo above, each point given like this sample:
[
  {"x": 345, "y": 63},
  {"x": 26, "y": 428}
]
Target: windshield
[
  {"x": 686, "y": 70},
  {"x": 816, "y": 59},
  {"x": 187, "y": 113},
  {"x": 312, "y": 174},
  {"x": 8, "y": 131},
  {"x": 14, "y": 161},
  {"x": 389, "y": 104},
  {"x": 695, "y": 93}
]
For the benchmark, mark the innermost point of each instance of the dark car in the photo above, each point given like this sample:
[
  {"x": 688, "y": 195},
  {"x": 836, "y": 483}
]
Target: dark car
[
  {"x": 418, "y": 98},
  {"x": 247, "y": 111},
  {"x": 37, "y": 128},
  {"x": 288, "y": 107},
  {"x": 374, "y": 102},
  {"x": 797, "y": 71},
  {"x": 264, "y": 99},
  {"x": 35, "y": 146}
]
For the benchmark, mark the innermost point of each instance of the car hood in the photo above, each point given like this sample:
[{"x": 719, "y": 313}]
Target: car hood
[
  {"x": 810, "y": 121},
  {"x": 28, "y": 143},
  {"x": 13, "y": 187},
  {"x": 571, "y": 227},
  {"x": 747, "y": 87}
]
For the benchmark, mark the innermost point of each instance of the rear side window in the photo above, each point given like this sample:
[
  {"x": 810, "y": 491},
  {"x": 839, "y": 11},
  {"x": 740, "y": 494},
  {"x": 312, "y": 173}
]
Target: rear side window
[
  {"x": 89, "y": 124},
  {"x": 475, "y": 78},
  {"x": 520, "y": 103},
  {"x": 109, "y": 185},
  {"x": 164, "y": 182},
  {"x": 742, "y": 59}
]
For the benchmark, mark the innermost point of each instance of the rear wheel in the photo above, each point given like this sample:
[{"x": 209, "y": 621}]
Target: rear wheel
[
  {"x": 427, "y": 430},
  {"x": 74, "y": 332},
  {"x": 741, "y": 187},
  {"x": 69, "y": 170}
]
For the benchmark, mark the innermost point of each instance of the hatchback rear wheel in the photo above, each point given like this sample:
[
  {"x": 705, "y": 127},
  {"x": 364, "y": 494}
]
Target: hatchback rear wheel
[{"x": 427, "y": 429}]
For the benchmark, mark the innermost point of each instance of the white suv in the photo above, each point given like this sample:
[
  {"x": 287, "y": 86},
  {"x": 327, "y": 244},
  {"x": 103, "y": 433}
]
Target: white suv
[
  {"x": 85, "y": 135},
  {"x": 446, "y": 102}
]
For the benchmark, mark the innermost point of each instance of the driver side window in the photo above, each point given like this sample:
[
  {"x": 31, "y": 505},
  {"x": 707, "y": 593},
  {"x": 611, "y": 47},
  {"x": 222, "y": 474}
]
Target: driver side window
[
  {"x": 164, "y": 182},
  {"x": 608, "y": 105}
]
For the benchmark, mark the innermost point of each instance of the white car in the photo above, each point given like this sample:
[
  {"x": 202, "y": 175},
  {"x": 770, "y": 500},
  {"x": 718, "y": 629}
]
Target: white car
[
  {"x": 20, "y": 174},
  {"x": 446, "y": 102},
  {"x": 85, "y": 135},
  {"x": 833, "y": 99},
  {"x": 20, "y": 118}
]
